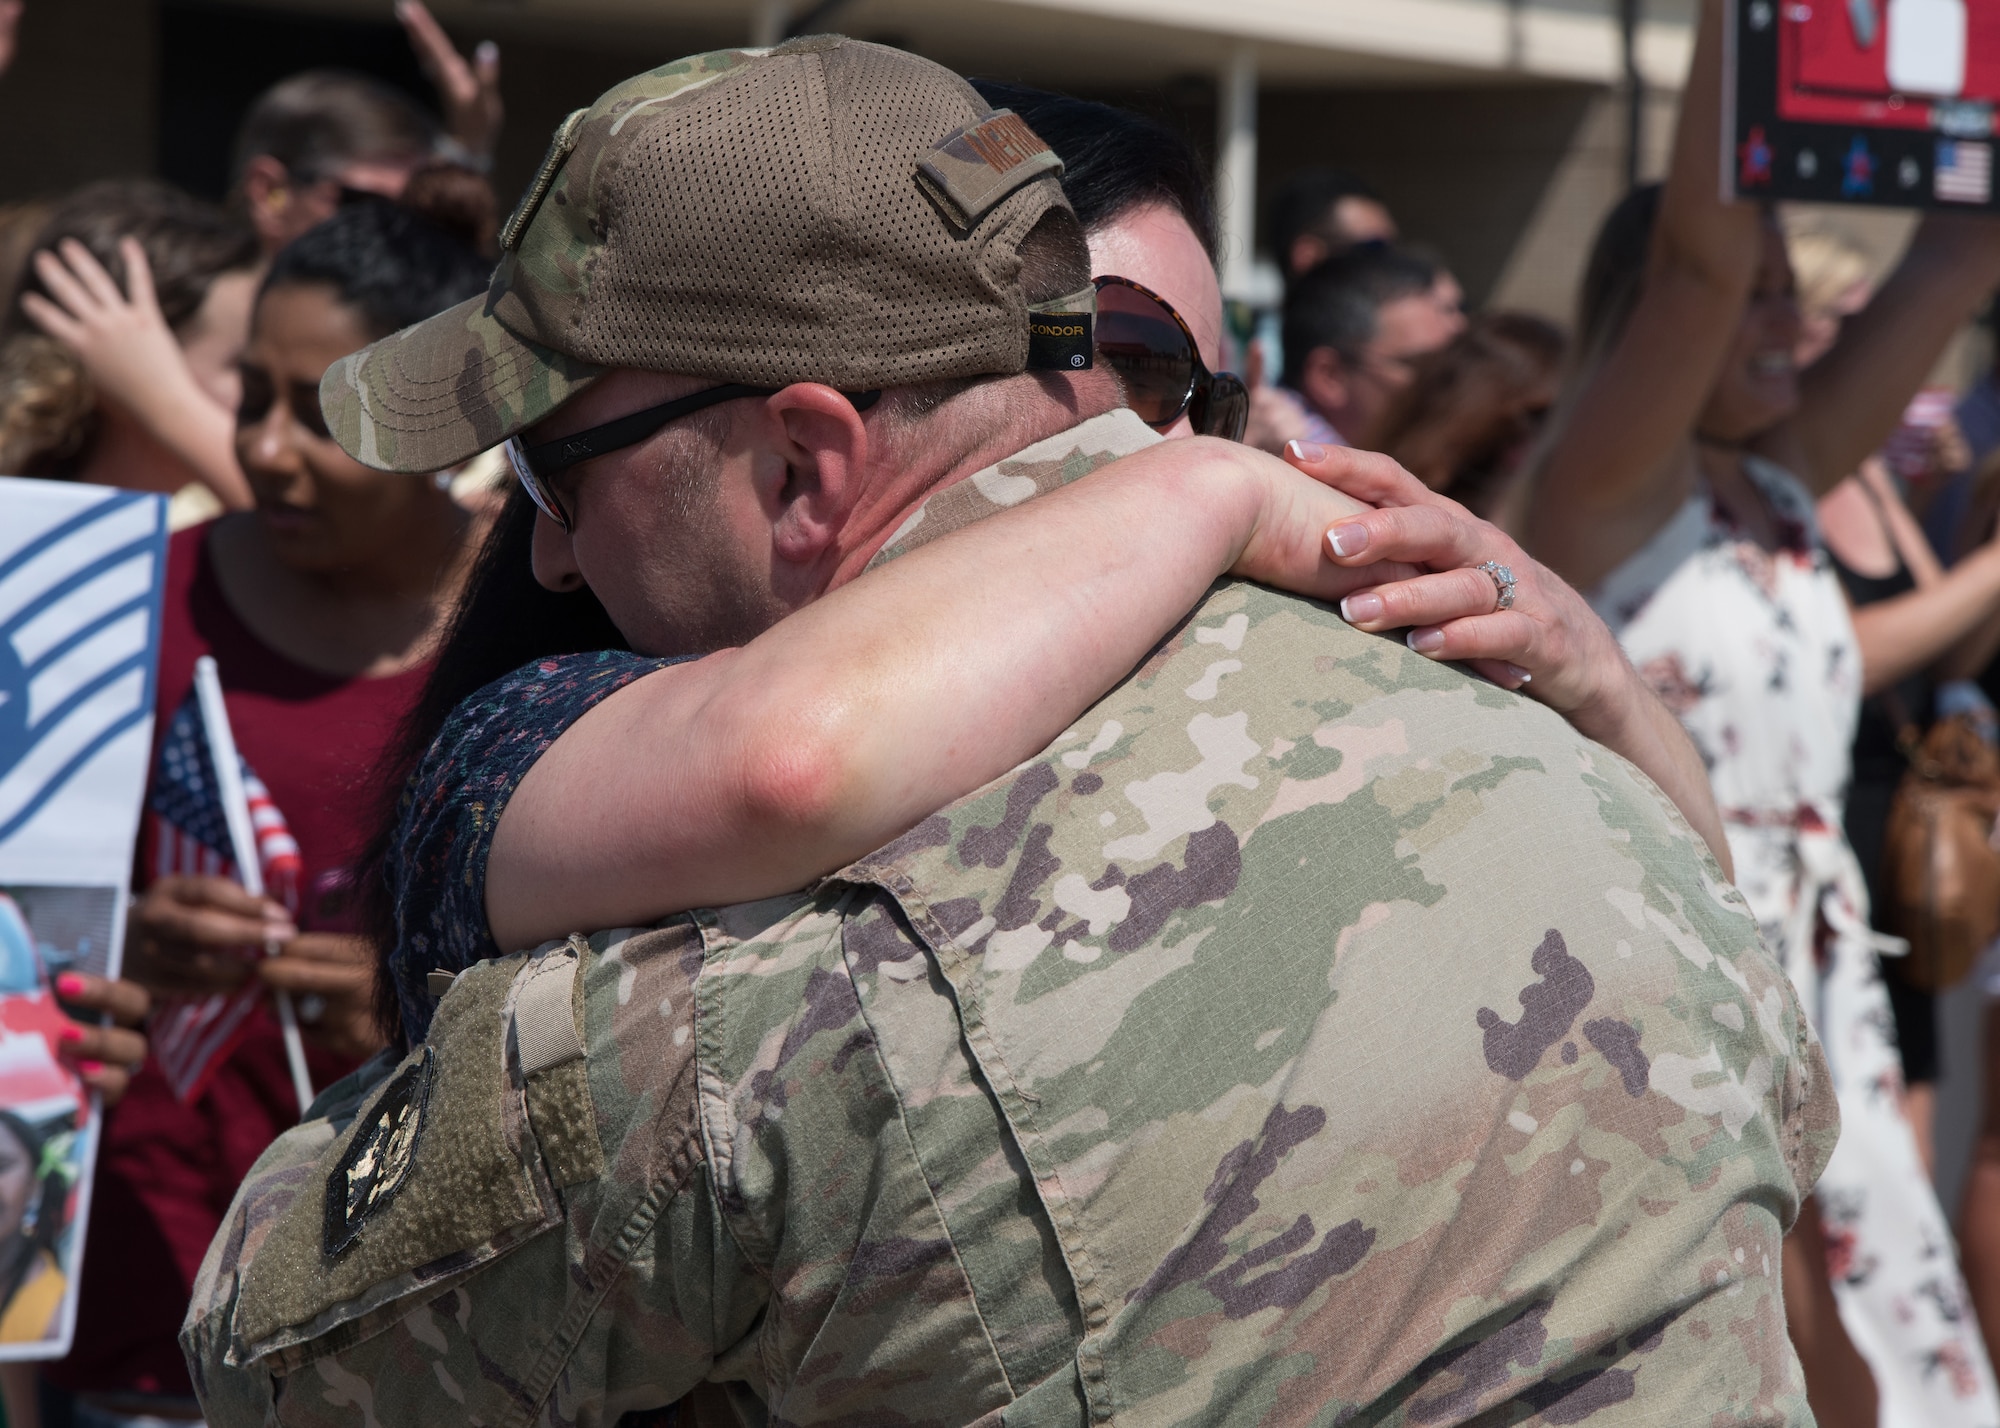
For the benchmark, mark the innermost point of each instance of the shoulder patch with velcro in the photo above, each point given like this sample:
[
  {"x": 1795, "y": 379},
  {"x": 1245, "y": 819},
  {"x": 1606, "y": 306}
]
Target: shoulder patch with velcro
[
  {"x": 972, "y": 169},
  {"x": 548, "y": 1044},
  {"x": 459, "y": 1170}
]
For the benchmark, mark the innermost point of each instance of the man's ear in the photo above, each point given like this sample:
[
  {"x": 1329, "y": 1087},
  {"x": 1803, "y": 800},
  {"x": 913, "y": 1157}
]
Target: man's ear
[
  {"x": 267, "y": 187},
  {"x": 280, "y": 206},
  {"x": 815, "y": 452},
  {"x": 1326, "y": 380}
]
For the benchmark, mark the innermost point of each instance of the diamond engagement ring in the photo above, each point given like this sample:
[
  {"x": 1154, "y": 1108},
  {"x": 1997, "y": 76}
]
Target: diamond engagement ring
[{"x": 1503, "y": 582}]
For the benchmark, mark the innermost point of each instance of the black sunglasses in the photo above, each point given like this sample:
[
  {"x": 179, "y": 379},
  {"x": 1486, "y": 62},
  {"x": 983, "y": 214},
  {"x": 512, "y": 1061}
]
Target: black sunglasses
[
  {"x": 535, "y": 465},
  {"x": 1153, "y": 351}
]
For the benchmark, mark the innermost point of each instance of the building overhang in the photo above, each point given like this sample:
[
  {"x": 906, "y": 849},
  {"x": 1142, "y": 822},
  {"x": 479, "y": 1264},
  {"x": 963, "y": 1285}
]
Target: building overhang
[{"x": 1099, "y": 44}]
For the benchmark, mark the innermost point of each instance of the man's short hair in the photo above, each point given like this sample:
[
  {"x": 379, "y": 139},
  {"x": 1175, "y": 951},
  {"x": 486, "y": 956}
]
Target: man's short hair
[
  {"x": 1113, "y": 160},
  {"x": 1304, "y": 204},
  {"x": 314, "y": 122},
  {"x": 1335, "y": 305}
]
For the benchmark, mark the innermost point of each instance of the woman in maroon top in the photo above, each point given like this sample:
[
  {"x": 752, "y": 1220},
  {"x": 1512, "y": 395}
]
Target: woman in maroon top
[{"x": 320, "y": 608}]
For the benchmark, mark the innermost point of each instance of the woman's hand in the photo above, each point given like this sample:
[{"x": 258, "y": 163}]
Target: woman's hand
[
  {"x": 1549, "y": 644},
  {"x": 469, "y": 91},
  {"x": 191, "y": 935},
  {"x": 331, "y": 977},
  {"x": 105, "y": 1056},
  {"x": 134, "y": 359},
  {"x": 10, "y": 29}
]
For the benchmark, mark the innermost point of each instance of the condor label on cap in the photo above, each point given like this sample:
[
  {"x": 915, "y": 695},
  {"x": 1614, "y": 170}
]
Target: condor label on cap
[
  {"x": 1059, "y": 341},
  {"x": 977, "y": 166}
]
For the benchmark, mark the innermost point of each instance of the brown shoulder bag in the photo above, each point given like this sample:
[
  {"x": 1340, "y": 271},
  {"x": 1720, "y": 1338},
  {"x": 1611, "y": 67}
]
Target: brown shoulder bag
[{"x": 1939, "y": 865}]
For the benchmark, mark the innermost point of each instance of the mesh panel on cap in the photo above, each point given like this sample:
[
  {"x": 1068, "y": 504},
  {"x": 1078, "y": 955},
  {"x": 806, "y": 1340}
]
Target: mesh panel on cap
[
  {"x": 715, "y": 221},
  {"x": 769, "y": 228},
  {"x": 941, "y": 310}
]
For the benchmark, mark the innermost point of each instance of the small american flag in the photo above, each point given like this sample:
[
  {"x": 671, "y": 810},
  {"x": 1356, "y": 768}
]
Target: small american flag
[
  {"x": 187, "y": 834},
  {"x": 1964, "y": 171}
]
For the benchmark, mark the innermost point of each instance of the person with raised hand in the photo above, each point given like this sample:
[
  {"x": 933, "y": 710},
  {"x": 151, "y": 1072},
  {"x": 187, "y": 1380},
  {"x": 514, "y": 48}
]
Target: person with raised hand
[
  {"x": 123, "y": 340},
  {"x": 118, "y": 354},
  {"x": 1677, "y": 490},
  {"x": 469, "y": 90}
]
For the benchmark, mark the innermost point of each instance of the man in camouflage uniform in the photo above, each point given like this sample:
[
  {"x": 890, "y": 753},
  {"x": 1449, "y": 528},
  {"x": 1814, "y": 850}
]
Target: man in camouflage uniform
[{"x": 1312, "y": 1034}]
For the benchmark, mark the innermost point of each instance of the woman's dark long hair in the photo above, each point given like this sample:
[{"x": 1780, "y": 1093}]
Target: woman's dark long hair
[
  {"x": 504, "y": 620},
  {"x": 1616, "y": 272}
]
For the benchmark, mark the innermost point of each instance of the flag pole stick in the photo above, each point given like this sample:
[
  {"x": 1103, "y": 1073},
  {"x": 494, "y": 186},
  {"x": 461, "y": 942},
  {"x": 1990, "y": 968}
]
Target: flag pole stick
[{"x": 243, "y": 841}]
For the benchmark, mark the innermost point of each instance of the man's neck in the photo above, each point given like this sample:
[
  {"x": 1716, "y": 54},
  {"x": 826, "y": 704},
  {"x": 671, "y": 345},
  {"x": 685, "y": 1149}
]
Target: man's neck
[{"x": 922, "y": 469}]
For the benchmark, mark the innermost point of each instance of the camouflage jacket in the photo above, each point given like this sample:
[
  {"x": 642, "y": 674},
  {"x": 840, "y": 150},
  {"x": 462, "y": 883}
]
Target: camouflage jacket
[{"x": 1313, "y": 1034}]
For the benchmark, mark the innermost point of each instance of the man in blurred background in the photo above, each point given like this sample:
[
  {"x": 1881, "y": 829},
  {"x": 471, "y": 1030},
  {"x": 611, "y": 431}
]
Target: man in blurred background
[
  {"x": 1321, "y": 212},
  {"x": 1355, "y": 328},
  {"x": 317, "y": 136}
]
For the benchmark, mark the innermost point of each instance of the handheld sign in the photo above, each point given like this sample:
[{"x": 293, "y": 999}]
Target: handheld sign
[
  {"x": 1882, "y": 102},
  {"x": 81, "y": 578}
]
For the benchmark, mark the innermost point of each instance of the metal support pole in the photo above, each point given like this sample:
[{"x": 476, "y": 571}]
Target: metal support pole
[
  {"x": 1629, "y": 15},
  {"x": 767, "y": 23},
  {"x": 1236, "y": 168}
]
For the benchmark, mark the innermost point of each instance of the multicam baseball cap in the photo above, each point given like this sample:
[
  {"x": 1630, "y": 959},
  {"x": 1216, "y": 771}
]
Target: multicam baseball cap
[{"x": 825, "y": 211}]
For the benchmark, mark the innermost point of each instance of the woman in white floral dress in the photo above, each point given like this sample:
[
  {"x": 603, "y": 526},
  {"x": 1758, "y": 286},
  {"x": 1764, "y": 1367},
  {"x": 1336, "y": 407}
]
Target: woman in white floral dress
[{"x": 1678, "y": 485}]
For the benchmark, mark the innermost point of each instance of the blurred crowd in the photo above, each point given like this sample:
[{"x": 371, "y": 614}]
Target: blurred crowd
[{"x": 1735, "y": 452}]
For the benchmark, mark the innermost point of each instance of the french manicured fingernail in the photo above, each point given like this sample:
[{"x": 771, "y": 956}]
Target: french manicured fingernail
[
  {"x": 69, "y": 1033},
  {"x": 1348, "y": 540},
  {"x": 1306, "y": 450},
  {"x": 487, "y": 52},
  {"x": 69, "y": 984},
  {"x": 1357, "y": 608},
  {"x": 1520, "y": 675},
  {"x": 1425, "y": 641}
]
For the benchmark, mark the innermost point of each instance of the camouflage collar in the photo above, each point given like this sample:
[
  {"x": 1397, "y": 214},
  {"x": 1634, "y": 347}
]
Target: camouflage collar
[{"x": 1033, "y": 471}]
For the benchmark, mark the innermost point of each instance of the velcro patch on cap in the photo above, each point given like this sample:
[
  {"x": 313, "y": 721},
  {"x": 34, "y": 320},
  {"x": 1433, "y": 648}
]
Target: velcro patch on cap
[
  {"x": 974, "y": 168},
  {"x": 545, "y": 177}
]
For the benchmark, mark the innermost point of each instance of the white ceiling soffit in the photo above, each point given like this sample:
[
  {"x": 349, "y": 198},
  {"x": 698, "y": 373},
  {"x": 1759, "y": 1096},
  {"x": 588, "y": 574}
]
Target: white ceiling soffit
[
  {"x": 1578, "y": 41},
  {"x": 1098, "y": 43}
]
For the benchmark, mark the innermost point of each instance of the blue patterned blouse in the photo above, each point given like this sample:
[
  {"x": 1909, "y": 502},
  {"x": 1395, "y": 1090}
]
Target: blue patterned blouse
[{"x": 437, "y": 869}]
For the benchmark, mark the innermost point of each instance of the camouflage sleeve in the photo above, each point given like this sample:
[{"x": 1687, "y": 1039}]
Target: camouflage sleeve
[{"x": 517, "y": 1227}]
